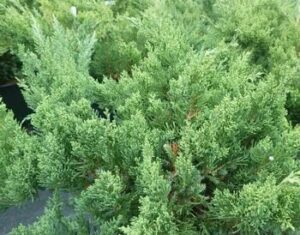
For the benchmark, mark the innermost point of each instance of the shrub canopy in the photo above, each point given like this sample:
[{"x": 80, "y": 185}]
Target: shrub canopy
[{"x": 200, "y": 133}]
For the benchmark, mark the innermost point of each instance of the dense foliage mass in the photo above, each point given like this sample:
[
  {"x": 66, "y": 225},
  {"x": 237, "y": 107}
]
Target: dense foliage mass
[{"x": 200, "y": 133}]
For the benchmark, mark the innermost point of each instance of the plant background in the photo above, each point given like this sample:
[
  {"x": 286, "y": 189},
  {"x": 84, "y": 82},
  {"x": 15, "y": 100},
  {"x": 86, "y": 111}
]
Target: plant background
[{"x": 200, "y": 130}]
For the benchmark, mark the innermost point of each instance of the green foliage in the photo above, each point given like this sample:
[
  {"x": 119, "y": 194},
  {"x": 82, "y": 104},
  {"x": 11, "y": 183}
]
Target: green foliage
[
  {"x": 15, "y": 27},
  {"x": 118, "y": 51},
  {"x": 58, "y": 146},
  {"x": 16, "y": 19},
  {"x": 261, "y": 207},
  {"x": 154, "y": 216},
  {"x": 102, "y": 199},
  {"x": 17, "y": 161},
  {"x": 51, "y": 73},
  {"x": 272, "y": 38},
  {"x": 201, "y": 93}
]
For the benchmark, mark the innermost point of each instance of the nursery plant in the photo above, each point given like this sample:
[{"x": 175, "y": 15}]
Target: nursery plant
[
  {"x": 200, "y": 133},
  {"x": 116, "y": 35}
]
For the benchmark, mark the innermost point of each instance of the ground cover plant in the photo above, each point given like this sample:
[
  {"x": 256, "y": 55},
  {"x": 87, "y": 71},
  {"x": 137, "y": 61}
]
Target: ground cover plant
[{"x": 200, "y": 131}]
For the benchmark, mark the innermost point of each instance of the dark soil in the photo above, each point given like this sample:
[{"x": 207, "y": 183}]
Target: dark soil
[
  {"x": 29, "y": 212},
  {"x": 13, "y": 98}
]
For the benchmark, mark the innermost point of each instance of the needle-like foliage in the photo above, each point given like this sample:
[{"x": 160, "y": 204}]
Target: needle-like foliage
[{"x": 200, "y": 131}]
